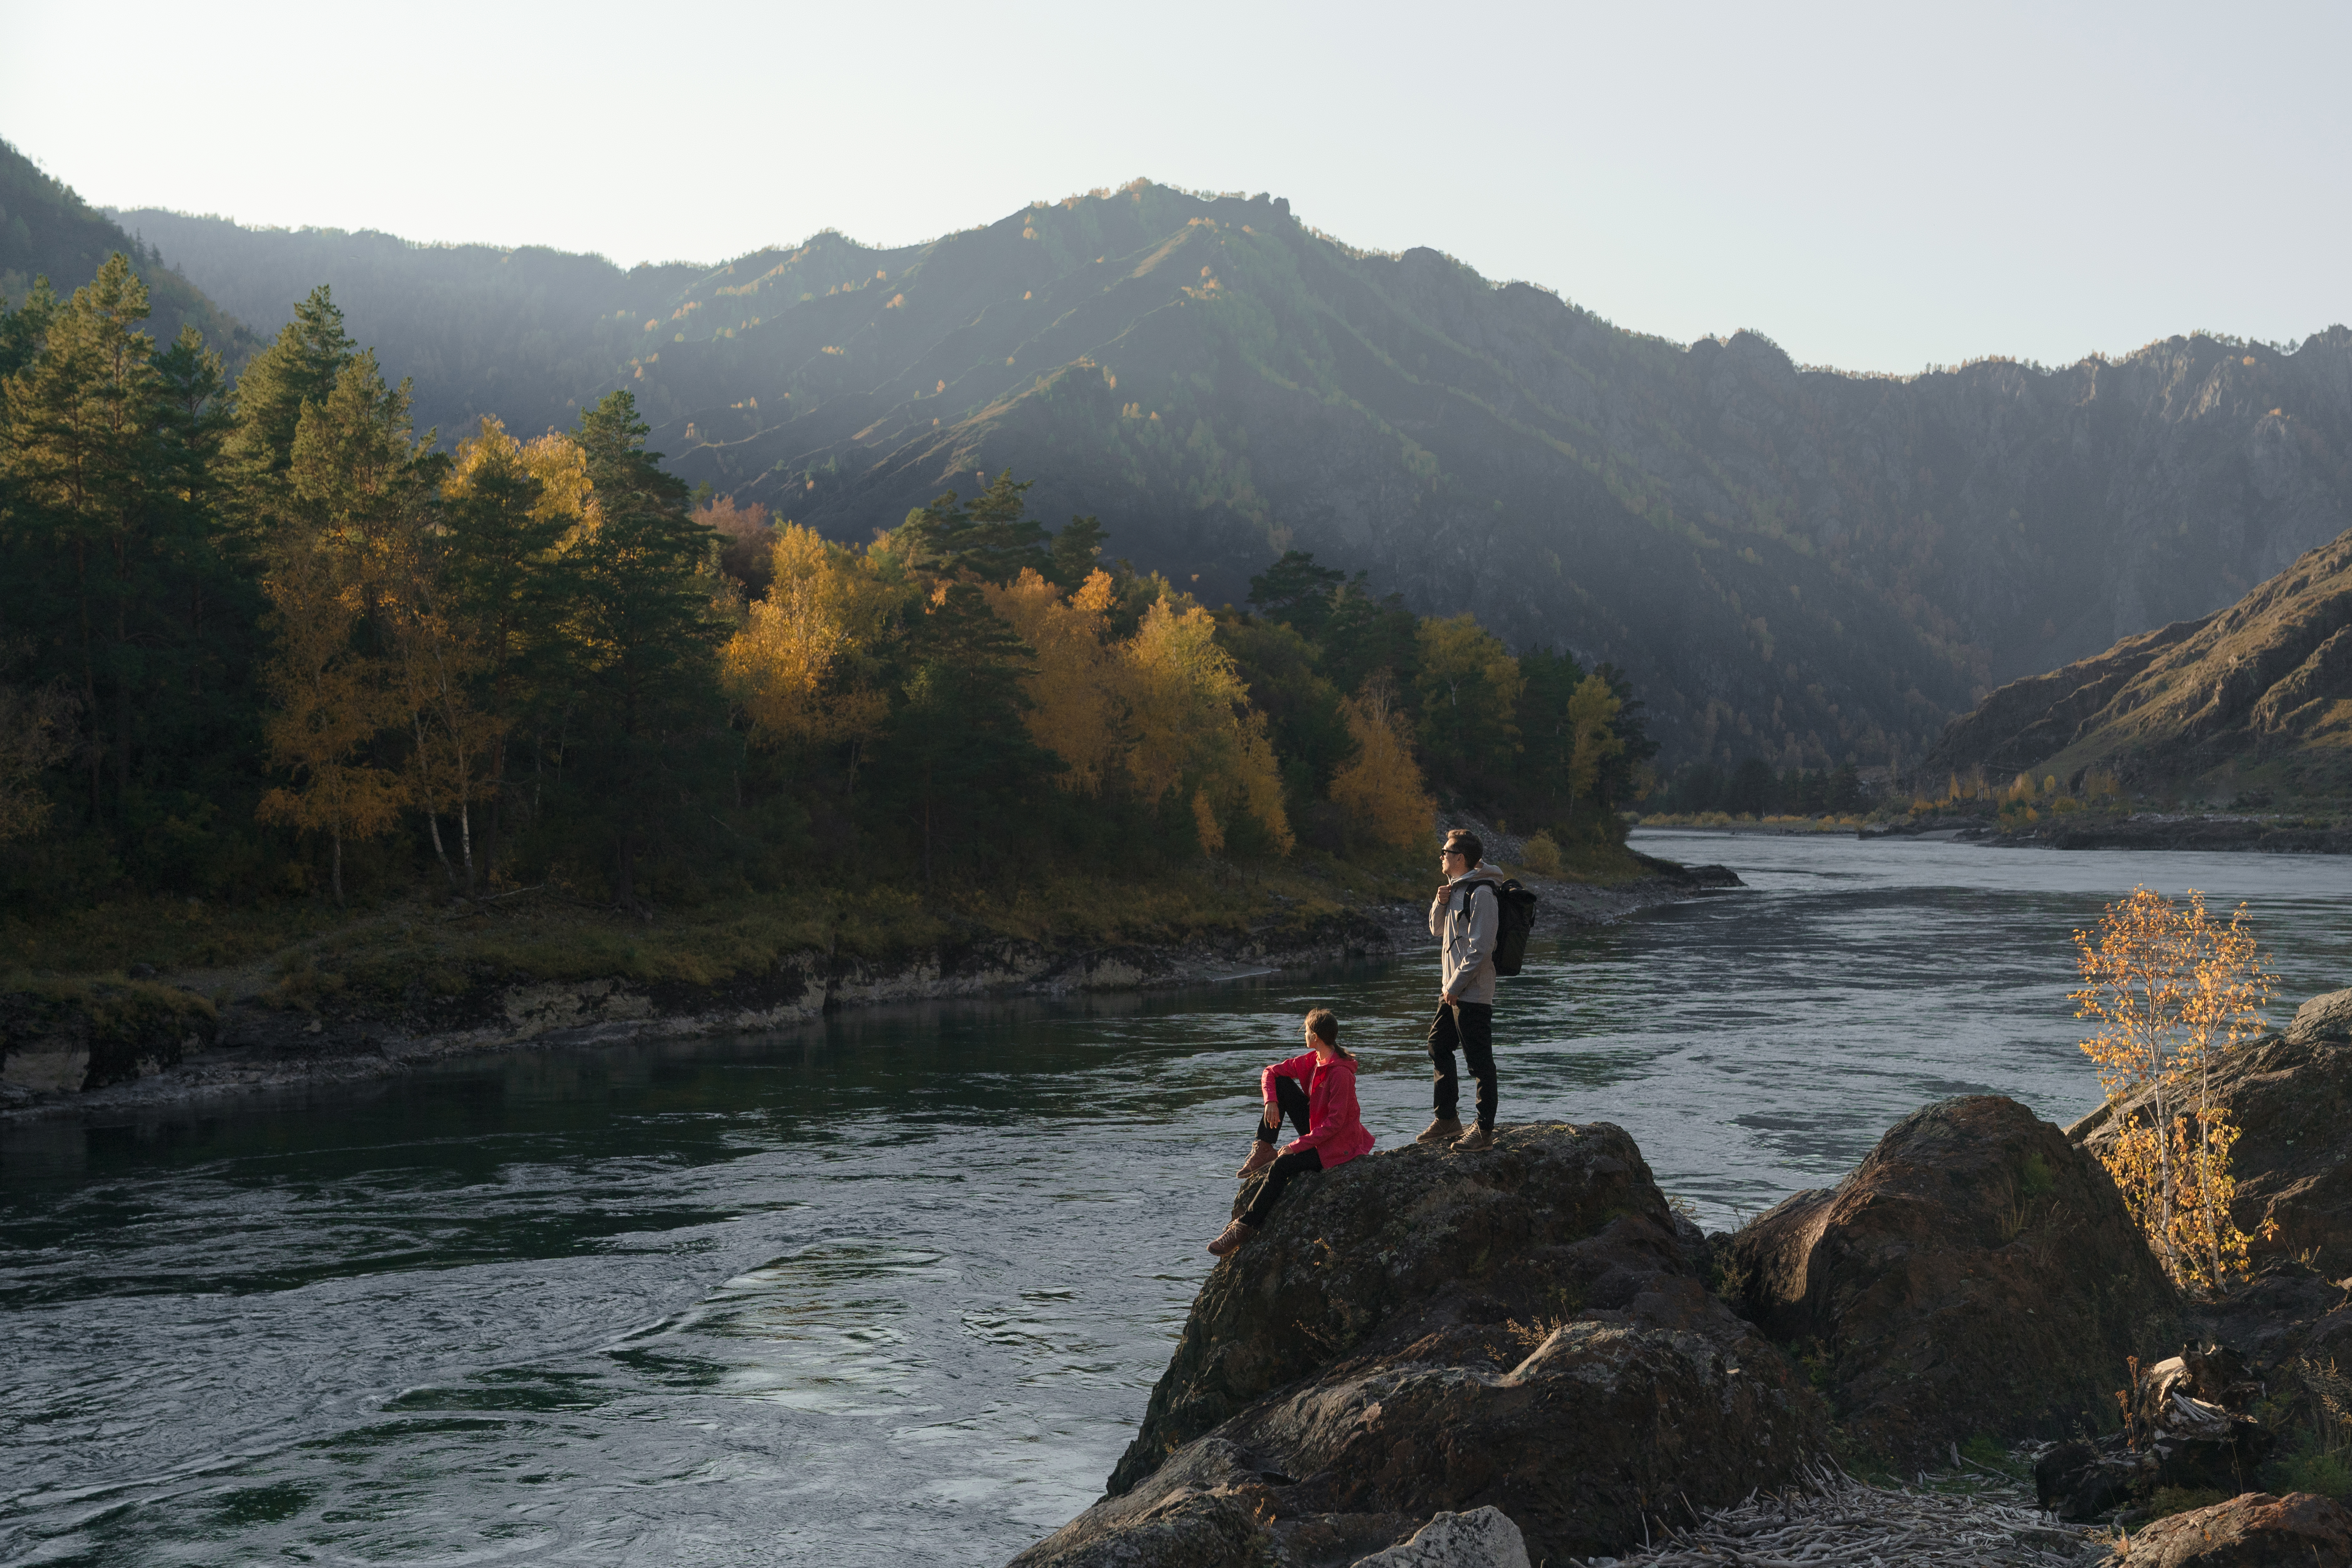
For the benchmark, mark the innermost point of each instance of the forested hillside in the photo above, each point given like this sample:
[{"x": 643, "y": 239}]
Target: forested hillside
[
  {"x": 48, "y": 231},
  {"x": 528, "y": 334},
  {"x": 261, "y": 641},
  {"x": 1795, "y": 565}
]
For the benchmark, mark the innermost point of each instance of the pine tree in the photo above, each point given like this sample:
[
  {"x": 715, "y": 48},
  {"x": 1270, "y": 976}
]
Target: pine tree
[
  {"x": 81, "y": 418},
  {"x": 300, "y": 367},
  {"x": 648, "y": 695}
]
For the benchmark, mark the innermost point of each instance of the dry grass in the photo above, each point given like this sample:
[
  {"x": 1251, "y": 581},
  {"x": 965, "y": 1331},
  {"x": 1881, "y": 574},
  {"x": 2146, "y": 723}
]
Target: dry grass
[{"x": 1973, "y": 1516}]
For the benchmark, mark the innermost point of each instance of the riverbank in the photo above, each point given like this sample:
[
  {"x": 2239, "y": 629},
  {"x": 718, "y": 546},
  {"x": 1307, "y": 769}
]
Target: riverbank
[
  {"x": 2270, "y": 834},
  {"x": 404, "y": 988}
]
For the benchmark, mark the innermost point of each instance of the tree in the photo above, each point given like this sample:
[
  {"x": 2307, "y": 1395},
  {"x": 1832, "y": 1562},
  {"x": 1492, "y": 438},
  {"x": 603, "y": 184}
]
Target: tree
[
  {"x": 84, "y": 469},
  {"x": 36, "y": 726},
  {"x": 331, "y": 703},
  {"x": 1751, "y": 789},
  {"x": 1296, "y": 593},
  {"x": 1363, "y": 634},
  {"x": 993, "y": 540},
  {"x": 1593, "y": 740},
  {"x": 1381, "y": 788},
  {"x": 649, "y": 693},
  {"x": 1304, "y": 714},
  {"x": 300, "y": 367},
  {"x": 2172, "y": 994},
  {"x": 1196, "y": 735},
  {"x": 958, "y": 753},
  {"x": 1469, "y": 689},
  {"x": 1077, "y": 707},
  {"x": 807, "y": 665}
]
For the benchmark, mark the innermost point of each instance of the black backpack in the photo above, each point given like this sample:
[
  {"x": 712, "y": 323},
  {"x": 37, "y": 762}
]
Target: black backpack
[{"x": 1515, "y": 909}]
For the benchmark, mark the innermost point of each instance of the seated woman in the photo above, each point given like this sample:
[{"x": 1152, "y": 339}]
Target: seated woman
[{"x": 1318, "y": 1092}]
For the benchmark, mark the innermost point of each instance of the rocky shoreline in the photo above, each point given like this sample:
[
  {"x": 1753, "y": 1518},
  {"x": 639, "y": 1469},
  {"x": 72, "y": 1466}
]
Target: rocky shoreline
[
  {"x": 2140, "y": 830},
  {"x": 1527, "y": 1355},
  {"x": 115, "y": 1046}
]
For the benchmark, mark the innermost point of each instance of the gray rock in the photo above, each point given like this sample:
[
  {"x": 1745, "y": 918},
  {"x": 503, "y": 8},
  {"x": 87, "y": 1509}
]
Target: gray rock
[
  {"x": 2326, "y": 1017},
  {"x": 1526, "y": 1328},
  {"x": 1483, "y": 1538}
]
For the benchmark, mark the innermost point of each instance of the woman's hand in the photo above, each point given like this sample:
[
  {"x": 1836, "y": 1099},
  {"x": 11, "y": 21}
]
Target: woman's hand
[{"x": 1272, "y": 1114}]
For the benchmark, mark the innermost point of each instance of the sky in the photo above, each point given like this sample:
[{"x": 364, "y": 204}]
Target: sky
[{"x": 1875, "y": 187}]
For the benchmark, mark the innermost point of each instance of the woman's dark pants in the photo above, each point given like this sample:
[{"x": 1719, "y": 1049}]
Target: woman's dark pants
[{"x": 1290, "y": 1099}]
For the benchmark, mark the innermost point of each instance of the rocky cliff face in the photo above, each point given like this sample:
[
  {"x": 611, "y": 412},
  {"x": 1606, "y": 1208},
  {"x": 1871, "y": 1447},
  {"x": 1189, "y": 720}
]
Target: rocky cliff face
[
  {"x": 1789, "y": 561},
  {"x": 1421, "y": 1332},
  {"x": 2259, "y": 693}
]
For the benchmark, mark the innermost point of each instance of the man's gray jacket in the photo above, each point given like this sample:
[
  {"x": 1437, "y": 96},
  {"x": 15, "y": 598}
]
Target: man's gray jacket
[{"x": 1465, "y": 918}]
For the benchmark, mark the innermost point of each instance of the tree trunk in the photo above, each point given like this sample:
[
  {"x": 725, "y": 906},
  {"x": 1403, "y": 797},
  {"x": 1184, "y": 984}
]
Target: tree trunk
[
  {"x": 466, "y": 843},
  {"x": 339, "y": 867},
  {"x": 432, "y": 821}
]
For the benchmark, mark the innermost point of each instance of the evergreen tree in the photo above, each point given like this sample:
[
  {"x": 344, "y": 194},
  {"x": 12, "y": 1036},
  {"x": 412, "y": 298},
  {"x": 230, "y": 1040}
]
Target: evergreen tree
[
  {"x": 301, "y": 366},
  {"x": 1296, "y": 593},
  {"x": 993, "y": 539},
  {"x": 957, "y": 754},
  {"x": 84, "y": 468},
  {"x": 648, "y": 699}
]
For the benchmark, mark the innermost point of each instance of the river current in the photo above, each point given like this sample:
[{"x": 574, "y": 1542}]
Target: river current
[{"x": 893, "y": 1289}]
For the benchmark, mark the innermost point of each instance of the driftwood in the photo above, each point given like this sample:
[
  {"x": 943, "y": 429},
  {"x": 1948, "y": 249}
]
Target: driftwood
[{"x": 1967, "y": 1518}]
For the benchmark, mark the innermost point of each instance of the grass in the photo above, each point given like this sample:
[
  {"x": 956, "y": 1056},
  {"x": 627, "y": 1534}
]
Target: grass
[{"x": 303, "y": 954}]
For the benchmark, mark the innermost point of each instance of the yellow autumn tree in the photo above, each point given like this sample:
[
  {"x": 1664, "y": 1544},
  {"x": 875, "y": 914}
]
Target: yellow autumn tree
[
  {"x": 331, "y": 702},
  {"x": 1075, "y": 687},
  {"x": 804, "y": 664},
  {"x": 2171, "y": 992},
  {"x": 1192, "y": 726},
  {"x": 1381, "y": 788}
]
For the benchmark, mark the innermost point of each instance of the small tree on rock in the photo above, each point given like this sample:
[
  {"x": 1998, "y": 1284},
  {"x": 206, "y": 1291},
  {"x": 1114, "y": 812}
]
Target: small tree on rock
[{"x": 2172, "y": 993}]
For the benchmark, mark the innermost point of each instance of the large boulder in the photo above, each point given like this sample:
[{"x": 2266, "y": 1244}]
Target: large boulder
[
  {"x": 1975, "y": 1274},
  {"x": 2290, "y": 1095},
  {"x": 1528, "y": 1329},
  {"x": 2300, "y": 1530}
]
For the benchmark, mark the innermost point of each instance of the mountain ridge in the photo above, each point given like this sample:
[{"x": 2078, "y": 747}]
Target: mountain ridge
[
  {"x": 1803, "y": 565},
  {"x": 2256, "y": 696}
]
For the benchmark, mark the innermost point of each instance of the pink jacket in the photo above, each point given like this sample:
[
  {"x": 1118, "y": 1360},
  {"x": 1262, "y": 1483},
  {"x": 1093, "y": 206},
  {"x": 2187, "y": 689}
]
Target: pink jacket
[{"x": 1335, "y": 1128}]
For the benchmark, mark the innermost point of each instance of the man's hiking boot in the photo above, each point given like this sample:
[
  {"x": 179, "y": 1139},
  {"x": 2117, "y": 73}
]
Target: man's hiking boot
[
  {"x": 1445, "y": 1130},
  {"x": 1477, "y": 1138},
  {"x": 1232, "y": 1237},
  {"x": 1261, "y": 1156}
]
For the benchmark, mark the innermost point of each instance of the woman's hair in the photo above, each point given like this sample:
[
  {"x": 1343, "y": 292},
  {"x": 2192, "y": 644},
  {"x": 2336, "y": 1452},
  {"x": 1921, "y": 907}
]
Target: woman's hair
[{"x": 1323, "y": 1024}]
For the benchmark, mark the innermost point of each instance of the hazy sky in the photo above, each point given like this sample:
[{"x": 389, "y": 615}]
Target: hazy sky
[{"x": 1875, "y": 186}]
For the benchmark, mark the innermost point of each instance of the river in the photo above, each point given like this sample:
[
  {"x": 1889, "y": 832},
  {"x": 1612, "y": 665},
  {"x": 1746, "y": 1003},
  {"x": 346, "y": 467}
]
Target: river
[{"x": 893, "y": 1289}]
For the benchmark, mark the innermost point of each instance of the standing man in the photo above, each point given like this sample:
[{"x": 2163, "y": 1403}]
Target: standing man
[{"x": 1463, "y": 917}]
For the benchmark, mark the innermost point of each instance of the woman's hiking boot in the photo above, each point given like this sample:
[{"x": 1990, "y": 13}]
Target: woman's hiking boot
[
  {"x": 1445, "y": 1130},
  {"x": 1480, "y": 1137},
  {"x": 1261, "y": 1155},
  {"x": 1232, "y": 1237}
]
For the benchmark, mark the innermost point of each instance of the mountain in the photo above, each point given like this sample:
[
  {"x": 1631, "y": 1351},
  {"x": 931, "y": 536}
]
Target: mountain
[
  {"x": 520, "y": 333},
  {"x": 1791, "y": 562},
  {"x": 48, "y": 231},
  {"x": 2258, "y": 695}
]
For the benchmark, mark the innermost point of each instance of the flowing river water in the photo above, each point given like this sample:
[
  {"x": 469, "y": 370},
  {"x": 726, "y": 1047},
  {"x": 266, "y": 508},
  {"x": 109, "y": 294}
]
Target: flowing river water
[{"x": 893, "y": 1289}]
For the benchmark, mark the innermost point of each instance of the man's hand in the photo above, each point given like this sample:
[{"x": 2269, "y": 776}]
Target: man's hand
[{"x": 1451, "y": 997}]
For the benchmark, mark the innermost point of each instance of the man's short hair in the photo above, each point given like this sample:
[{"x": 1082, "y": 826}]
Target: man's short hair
[
  {"x": 1323, "y": 1024},
  {"x": 1465, "y": 841}
]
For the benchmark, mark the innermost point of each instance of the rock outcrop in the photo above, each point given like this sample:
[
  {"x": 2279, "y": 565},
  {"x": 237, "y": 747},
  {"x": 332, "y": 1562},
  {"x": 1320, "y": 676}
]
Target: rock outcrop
[
  {"x": 1421, "y": 1332},
  {"x": 1975, "y": 1274},
  {"x": 2300, "y": 1530},
  {"x": 2290, "y": 1096}
]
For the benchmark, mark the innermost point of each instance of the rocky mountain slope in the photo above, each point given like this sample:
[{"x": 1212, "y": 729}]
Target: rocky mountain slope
[
  {"x": 2257, "y": 694},
  {"x": 1791, "y": 561}
]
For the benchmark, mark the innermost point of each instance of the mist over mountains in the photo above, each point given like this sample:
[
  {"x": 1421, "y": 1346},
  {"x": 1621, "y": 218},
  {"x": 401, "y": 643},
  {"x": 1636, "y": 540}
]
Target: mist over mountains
[{"x": 1798, "y": 563}]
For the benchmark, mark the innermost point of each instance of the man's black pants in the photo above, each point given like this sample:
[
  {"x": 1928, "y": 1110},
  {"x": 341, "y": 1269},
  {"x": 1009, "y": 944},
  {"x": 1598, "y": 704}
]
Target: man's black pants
[{"x": 1470, "y": 1026}]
